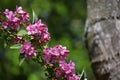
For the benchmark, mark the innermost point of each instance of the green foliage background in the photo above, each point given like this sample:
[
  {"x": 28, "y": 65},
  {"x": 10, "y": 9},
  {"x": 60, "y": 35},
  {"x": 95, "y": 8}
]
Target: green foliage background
[{"x": 65, "y": 20}]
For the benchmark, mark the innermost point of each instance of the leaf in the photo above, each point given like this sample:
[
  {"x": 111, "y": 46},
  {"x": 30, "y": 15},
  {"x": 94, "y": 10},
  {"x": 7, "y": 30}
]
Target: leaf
[
  {"x": 22, "y": 32},
  {"x": 45, "y": 46},
  {"x": 21, "y": 61},
  {"x": 83, "y": 75},
  {"x": 16, "y": 46},
  {"x": 34, "y": 16}
]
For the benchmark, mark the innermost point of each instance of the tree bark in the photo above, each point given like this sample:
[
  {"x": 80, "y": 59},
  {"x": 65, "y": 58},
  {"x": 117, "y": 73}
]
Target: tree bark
[{"x": 103, "y": 38}]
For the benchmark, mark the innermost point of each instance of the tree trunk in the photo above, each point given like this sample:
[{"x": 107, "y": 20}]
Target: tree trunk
[{"x": 103, "y": 38}]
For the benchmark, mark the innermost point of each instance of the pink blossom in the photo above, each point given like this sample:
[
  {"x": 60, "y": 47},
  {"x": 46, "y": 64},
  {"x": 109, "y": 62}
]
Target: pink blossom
[
  {"x": 63, "y": 52},
  {"x": 15, "y": 19},
  {"x": 59, "y": 73},
  {"x": 19, "y": 10},
  {"x": 9, "y": 14},
  {"x": 5, "y": 24},
  {"x": 12, "y": 21},
  {"x": 39, "y": 31},
  {"x": 14, "y": 25},
  {"x": 37, "y": 28},
  {"x": 28, "y": 50},
  {"x": 47, "y": 55},
  {"x": 57, "y": 53},
  {"x": 45, "y": 37},
  {"x": 69, "y": 69},
  {"x": 24, "y": 16},
  {"x": 31, "y": 29},
  {"x": 74, "y": 77}
]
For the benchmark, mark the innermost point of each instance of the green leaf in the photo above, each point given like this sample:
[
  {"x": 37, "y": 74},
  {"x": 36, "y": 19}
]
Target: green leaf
[
  {"x": 16, "y": 46},
  {"x": 45, "y": 46},
  {"x": 83, "y": 74},
  {"x": 34, "y": 16},
  {"x": 21, "y": 61},
  {"x": 22, "y": 32}
]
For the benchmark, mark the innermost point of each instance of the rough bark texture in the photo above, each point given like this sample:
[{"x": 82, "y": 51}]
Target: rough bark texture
[{"x": 103, "y": 38}]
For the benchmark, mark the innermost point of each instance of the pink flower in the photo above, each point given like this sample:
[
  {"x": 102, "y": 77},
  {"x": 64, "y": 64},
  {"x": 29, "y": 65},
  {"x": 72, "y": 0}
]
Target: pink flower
[
  {"x": 39, "y": 31},
  {"x": 15, "y": 19},
  {"x": 47, "y": 55},
  {"x": 62, "y": 51},
  {"x": 37, "y": 28},
  {"x": 24, "y": 16},
  {"x": 9, "y": 14},
  {"x": 5, "y": 24},
  {"x": 59, "y": 73},
  {"x": 14, "y": 25},
  {"x": 28, "y": 50},
  {"x": 45, "y": 37},
  {"x": 31, "y": 29},
  {"x": 74, "y": 77},
  {"x": 19, "y": 10},
  {"x": 69, "y": 69},
  {"x": 57, "y": 53},
  {"x": 12, "y": 21}
]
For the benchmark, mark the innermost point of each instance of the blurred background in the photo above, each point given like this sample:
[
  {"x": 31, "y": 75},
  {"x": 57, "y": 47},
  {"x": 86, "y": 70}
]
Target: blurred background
[{"x": 65, "y": 20}]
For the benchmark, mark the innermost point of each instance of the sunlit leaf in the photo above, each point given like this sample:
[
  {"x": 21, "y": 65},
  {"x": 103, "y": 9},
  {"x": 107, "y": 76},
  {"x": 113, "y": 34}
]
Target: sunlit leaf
[
  {"x": 21, "y": 61},
  {"x": 16, "y": 46},
  {"x": 34, "y": 16},
  {"x": 45, "y": 46},
  {"x": 22, "y": 32}
]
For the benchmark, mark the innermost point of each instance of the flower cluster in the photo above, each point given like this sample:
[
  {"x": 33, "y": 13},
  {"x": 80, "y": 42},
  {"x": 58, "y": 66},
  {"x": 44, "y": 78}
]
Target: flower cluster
[
  {"x": 15, "y": 19},
  {"x": 58, "y": 53},
  {"x": 28, "y": 50},
  {"x": 67, "y": 70},
  {"x": 22, "y": 15},
  {"x": 39, "y": 31}
]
